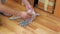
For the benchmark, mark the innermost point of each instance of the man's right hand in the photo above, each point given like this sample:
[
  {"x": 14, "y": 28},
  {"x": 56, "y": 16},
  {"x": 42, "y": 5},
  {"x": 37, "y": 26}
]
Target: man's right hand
[{"x": 25, "y": 15}]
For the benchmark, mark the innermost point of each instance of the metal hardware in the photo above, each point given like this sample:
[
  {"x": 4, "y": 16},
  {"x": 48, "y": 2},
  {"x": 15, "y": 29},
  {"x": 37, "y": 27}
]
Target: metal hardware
[{"x": 25, "y": 22}]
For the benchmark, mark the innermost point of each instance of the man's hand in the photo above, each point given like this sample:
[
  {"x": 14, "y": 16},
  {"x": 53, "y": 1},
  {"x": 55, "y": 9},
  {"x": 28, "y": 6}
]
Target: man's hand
[{"x": 25, "y": 15}]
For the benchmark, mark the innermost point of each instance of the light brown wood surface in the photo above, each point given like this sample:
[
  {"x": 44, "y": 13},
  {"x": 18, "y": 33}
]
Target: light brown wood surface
[
  {"x": 57, "y": 9},
  {"x": 43, "y": 24},
  {"x": 14, "y": 5}
]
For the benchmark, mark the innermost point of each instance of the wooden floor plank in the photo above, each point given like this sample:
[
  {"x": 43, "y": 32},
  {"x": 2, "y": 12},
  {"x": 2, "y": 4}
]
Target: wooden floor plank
[
  {"x": 43, "y": 24},
  {"x": 4, "y": 30}
]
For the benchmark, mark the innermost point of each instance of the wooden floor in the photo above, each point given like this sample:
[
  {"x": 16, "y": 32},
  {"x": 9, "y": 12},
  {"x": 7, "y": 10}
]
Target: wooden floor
[{"x": 43, "y": 24}]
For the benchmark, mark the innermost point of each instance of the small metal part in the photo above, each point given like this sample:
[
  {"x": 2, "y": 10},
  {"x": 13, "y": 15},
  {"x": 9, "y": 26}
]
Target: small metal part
[
  {"x": 3, "y": 1},
  {"x": 14, "y": 18},
  {"x": 29, "y": 20},
  {"x": 37, "y": 14},
  {"x": 26, "y": 22}
]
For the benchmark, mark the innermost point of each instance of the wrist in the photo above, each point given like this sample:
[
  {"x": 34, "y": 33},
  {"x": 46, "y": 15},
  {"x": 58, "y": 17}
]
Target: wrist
[{"x": 31, "y": 12}]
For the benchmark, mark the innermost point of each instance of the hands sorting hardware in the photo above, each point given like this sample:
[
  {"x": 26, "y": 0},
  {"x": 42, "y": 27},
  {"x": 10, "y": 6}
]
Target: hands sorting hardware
[{"x": 27, "y": 16}]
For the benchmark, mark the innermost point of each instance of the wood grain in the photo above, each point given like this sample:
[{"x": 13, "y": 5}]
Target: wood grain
[
  {"x": 14, "y": 5},
  {"x": 46, "y": 23},
  {"x": 57, "y": 9}
]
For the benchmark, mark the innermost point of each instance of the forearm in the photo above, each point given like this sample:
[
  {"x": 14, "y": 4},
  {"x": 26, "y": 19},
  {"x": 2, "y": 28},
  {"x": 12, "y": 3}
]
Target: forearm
[
  {"x": 29, "y": 8},
  {"x": 8, "y": 10},
  {"x": 27, "y": 4}
]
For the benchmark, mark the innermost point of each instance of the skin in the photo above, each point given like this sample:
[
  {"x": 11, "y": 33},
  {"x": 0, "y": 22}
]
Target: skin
[{"x": 24, "y": 15}]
